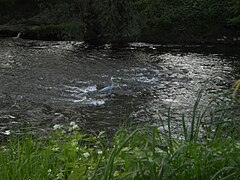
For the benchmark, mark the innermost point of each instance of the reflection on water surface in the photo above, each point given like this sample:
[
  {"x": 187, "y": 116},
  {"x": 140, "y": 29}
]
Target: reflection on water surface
[{"x": 45, "y": 83}]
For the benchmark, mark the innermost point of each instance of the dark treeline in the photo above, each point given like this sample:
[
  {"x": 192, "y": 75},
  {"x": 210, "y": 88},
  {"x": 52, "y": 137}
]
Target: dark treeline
[{"x": 125, "y": 20}]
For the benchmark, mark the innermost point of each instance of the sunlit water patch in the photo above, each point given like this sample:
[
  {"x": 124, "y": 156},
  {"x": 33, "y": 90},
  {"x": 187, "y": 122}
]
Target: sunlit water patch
[{"x": 44, "y": 83}]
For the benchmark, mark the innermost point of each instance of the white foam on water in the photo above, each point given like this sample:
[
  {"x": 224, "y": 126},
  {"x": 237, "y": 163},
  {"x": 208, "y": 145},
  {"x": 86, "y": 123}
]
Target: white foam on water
[
  {"x": 90, "y": 101},
  {"x": 82, "y": 90},
  {"x": 84, "y": 95},
  {"x": 145, "y": 79}
]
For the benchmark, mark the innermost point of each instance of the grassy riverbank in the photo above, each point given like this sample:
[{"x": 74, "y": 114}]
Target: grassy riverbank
[{"x": 207, "y": 147}]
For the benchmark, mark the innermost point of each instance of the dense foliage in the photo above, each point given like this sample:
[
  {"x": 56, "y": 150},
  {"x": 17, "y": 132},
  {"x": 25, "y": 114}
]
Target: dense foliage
[{"x": 124, "y": 19}]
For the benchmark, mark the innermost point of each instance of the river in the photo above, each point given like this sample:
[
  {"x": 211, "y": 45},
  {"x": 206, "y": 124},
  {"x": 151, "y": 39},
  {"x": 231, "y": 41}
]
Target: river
[{"x": 44, "y": 83}]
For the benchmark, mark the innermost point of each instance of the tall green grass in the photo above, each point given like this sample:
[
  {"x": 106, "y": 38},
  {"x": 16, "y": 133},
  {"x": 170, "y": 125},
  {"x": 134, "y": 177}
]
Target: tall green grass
[{"x": 141, "y": 153}]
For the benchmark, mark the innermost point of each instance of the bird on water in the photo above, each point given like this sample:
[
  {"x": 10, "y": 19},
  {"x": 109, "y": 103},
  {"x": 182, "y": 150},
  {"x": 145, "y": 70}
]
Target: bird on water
[{"x": 108, "y": 89}]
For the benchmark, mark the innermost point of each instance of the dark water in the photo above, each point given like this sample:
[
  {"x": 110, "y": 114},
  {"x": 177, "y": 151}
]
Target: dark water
[{"x": 47, "y": 83}]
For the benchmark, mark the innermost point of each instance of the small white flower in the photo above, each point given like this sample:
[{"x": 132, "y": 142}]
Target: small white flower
[
  {"x": 49, "y": 172},
  {"x": 74, "y": 143},
  {"x": 99, "y": 152},
  {"x": 5, "y": 149},
  {"x": 60, "y": 175},
  {"x": 7, "y": 132},
  {"x": 77, "y": 148},
  {"x": 55, "y": 149},
  {"x": 86, "y": 154},
  {"x": 57, "y": 126},
  {"x": 75, "y": 126},
  {"x": 91, "y": 168},
  {"x": 72, "y": 123},
  {"x": 116, "y": 173},
  {"x": 237, "y": 145},
  {"x": 160, "y": 128}
]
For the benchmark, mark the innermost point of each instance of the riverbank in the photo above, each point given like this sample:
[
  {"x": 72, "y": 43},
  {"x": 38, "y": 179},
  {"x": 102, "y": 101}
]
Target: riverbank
[
  {"x": 63, "y": 32},
  {"x": 144, "y": 153},
  {"x": 207, "y": 147}
]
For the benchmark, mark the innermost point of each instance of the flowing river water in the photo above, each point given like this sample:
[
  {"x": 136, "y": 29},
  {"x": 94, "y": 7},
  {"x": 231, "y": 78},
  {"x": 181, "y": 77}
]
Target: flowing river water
[{"x": 45, "y": 83}]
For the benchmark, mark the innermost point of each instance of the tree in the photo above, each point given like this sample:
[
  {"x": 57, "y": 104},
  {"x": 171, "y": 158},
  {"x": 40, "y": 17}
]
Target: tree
[{"x": 234, "y": 13}]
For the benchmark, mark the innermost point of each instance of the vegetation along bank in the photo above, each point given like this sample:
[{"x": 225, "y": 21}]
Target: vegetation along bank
[{"x": 175, "y": 21}]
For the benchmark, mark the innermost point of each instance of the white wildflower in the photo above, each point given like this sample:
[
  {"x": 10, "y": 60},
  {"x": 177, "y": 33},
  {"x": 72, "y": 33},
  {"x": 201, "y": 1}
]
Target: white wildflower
[
  {"x": 57, "y": 126},
  {"x": 116, "y": 173},
  {"x": 160, "y": 128},
  {"x": 91, "y": 168},
  {"x": 4, "y": 148},
  {"x": 237, "y": 145},
  {"x": 99, "y": 152},
  {"x": 74, "y": 143},
  {"x": 86, "y": 154},
  {"x": 60, "y": 175},
  {"x": 72, "y": 123},
  {"x": 49, "y": 172},
  {"x": 55, "y": 149},
  {"x": 75, "y": 126},
  {"x": 7, "y": 132},
  {"x": 77, "y": 149}
]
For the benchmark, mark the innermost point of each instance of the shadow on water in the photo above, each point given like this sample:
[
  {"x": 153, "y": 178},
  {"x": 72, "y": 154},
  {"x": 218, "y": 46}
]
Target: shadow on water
[{"x": 47, "y": 83}]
